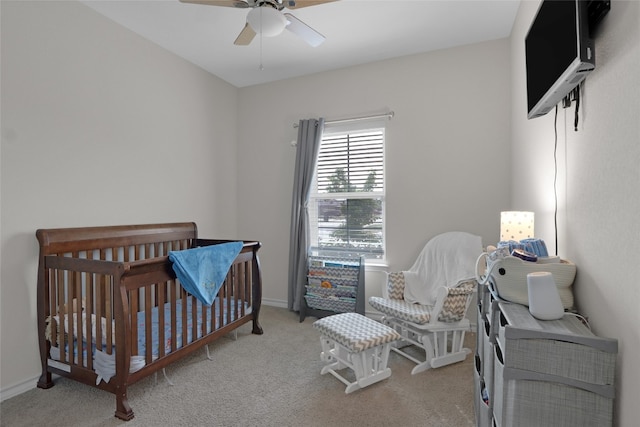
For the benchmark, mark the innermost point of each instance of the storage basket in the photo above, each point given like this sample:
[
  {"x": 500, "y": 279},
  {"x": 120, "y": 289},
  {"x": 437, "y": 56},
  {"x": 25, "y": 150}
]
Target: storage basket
[
  {"x": 331, "y": 303},
  {"x": 346, "y": 272},
  {"x": 340, "y": 291}
]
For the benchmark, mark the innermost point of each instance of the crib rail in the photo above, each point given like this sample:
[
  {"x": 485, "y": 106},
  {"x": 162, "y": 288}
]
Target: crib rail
[{"x": 156, "y": 296}]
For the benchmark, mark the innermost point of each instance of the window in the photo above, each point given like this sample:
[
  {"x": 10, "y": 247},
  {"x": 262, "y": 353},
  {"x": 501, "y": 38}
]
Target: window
[{"x": 346, "y": 205}]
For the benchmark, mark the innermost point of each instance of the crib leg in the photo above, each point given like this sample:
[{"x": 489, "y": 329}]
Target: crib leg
[
  {"x": 45, "y": 380},
  {"x": 123, "y": 410},
  {"x": 257, "y": 329}
]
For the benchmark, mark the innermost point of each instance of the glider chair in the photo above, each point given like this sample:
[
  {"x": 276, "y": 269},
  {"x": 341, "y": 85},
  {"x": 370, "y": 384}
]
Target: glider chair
[{"x": 427, "y": 304}]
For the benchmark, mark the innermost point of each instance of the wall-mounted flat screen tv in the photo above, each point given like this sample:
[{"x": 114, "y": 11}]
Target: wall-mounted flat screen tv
[{"x": 559, "y": 53}]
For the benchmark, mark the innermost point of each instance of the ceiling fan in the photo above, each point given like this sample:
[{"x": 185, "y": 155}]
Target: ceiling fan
[{"x": 266, "y": 18}]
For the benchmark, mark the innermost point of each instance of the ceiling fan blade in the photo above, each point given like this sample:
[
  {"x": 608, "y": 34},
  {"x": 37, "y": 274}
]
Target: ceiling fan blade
[
  {"x": 240, "y": 4},
  {"x": 301, "y": 29},
  {"x": 246, "y": 35},
  {"x": 297, "y": 4}
]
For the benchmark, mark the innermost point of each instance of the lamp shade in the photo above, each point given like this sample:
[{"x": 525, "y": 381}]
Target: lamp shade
[
  {"x": 266, "y": 21},
  {"x": 516, "y": 225}
]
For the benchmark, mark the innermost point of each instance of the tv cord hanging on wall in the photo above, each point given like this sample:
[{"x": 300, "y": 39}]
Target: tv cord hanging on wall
[
  {"x": 576, "y": 92},
  {"x": 574, "y": 95},
  {"x": 555, "y": 177}
]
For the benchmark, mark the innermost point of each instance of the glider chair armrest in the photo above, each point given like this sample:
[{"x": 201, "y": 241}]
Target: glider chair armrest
[
  {"x": 452, "y": 303},
  {"x": 394, "y": 288}
]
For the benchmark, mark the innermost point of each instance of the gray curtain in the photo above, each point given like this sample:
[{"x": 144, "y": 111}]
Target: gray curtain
[{"x": 309, "y": 136}]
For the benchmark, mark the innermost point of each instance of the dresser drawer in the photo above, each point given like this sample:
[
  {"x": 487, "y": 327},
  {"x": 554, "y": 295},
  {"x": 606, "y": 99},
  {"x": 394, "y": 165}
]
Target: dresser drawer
[
  {"x": 530, "y": 399},
  {"x": 564, "y": 348}
]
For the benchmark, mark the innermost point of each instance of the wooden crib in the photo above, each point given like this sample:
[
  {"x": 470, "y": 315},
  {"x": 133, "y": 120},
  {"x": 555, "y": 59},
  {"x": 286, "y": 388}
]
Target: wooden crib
[{"x": 111, "y": 292}]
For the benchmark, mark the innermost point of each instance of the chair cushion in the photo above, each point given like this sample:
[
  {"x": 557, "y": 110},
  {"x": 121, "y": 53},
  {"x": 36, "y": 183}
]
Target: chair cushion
[
  {"x": 400, "y": 309},
  {"x": 355, "y": 331},
  {"x": 453, "y": 307}
]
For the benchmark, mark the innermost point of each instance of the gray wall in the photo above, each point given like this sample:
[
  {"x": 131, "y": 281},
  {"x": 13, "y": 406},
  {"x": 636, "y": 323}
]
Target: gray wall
[
  {"x": 447, "y": 148},
  {"x": 102, "y": 127},
  {"x": 598, "y": 185},
  {"x": 99, "y": 127}
]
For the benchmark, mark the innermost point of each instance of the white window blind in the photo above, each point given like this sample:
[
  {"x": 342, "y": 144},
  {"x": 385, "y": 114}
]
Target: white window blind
[{"x": 347, "y": 203}]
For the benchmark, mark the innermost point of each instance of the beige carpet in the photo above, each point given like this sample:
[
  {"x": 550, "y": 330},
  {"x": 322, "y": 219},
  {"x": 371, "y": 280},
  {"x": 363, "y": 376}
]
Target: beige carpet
[{"x": 268, "y": 380}]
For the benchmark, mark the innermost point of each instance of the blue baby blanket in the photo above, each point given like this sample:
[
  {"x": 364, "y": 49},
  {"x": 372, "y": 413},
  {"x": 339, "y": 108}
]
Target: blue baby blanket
[{"x": 202, "y": 270}]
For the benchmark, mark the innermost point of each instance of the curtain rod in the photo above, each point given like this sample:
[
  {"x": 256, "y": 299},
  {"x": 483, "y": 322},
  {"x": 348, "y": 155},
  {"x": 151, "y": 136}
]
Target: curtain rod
[{"x": 388, "y": 115}]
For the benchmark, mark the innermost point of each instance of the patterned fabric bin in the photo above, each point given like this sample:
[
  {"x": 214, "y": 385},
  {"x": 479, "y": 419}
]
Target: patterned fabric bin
[{"x": 331, "y": 303}]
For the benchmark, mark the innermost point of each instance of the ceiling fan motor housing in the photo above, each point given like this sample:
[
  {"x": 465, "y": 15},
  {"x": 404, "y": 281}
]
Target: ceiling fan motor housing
[{"x": 273, "y": 3}]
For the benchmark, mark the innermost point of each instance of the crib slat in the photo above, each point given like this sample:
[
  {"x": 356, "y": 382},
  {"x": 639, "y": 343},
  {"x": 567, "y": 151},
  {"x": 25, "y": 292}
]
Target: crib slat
[
  {"x": 98, "y": 306},
  {"x": 61, "y": 314},
  {"x": 160, "y": 302},
  {"x": 221, "y": 298},
  {"x": 203, "y": 320},
  {"x": 174, "y": 307},
  {"x": 242, "y": 286},
  {"x": 108, "y": 309},
  {"x": 231, "y": 294},
  {"x": 194, "y": 320},
  {"x": 88, "y": 278},
  {"x": 212, "y": 317},
  {"x": 233, "y": 302},
  {"x": 148, "y": 324},
  {"x": 184, "y": 299},
  {"x": 76, "y": 307},
  {"x": 239, "y": 301},
  {"x": 49, "y": 297},
  {"x": 248, "y": 296},
  {"x": 134, "y": 306}
]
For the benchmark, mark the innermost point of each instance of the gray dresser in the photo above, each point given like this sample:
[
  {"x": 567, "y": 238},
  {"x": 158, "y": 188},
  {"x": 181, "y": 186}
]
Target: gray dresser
[{"x": 530, "y": 372}]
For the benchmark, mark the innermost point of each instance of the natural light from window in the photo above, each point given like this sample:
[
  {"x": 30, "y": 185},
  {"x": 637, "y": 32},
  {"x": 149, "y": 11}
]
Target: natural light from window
[{"x": 346, "y": 206}]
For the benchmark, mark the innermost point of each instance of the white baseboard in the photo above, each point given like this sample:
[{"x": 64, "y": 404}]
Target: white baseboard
[
  {"x": 19, "y": 388},
  {"x": 283, "y": 304},
  {"x": 274, "y": 303}
]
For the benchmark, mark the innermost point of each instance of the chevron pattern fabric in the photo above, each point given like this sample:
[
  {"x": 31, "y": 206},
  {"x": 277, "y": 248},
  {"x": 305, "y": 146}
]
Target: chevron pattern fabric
[
  {"x": 453, "y": 309},
  {"x": 400, "y": 309},
  {"x": 395, "y": 285},
  {"x": 355, "y": 331}
]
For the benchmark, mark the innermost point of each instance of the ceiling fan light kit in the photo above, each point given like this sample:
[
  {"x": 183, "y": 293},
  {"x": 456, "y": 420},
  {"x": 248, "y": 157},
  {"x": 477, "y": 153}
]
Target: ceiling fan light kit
[{"x": 266, "y": 21}]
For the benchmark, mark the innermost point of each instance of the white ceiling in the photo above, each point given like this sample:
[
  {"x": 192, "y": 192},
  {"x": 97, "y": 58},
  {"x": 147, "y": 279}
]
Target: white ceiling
[{"x": 356, "y": 31}]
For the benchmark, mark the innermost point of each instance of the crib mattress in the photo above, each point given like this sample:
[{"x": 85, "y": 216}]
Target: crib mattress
[{"x": 181, "y": 340}]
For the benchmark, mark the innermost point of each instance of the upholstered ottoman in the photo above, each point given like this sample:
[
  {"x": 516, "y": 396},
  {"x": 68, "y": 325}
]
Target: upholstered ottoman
[{"x": 351, "y": 340}]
